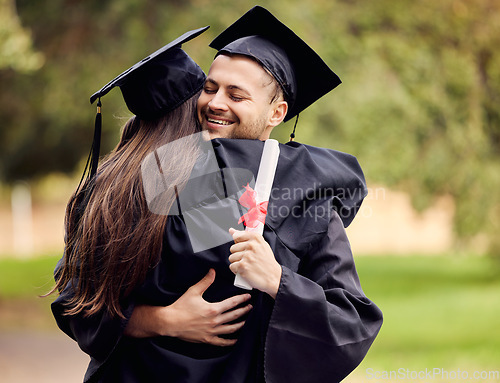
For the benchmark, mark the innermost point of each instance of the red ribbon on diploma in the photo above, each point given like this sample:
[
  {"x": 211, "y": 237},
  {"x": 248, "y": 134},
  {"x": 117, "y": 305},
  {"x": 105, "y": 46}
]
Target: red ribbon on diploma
[{"x": 257, "y": 212}]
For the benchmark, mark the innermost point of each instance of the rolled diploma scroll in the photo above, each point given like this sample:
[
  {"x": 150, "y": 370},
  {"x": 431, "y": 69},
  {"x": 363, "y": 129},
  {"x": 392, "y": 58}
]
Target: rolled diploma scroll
[{"x": 263, "y": 186}]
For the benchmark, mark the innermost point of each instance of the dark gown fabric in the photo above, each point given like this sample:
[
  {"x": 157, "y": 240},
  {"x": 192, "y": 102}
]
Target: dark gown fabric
[{"x": 321, "y": 324}]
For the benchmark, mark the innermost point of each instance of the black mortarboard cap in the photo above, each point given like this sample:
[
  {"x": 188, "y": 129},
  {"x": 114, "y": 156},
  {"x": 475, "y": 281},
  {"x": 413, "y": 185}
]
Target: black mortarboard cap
[
  {"x": 154, "y": 86},
  {"x": 302, "y": 74},
  {"x": 160, "y": 82}
]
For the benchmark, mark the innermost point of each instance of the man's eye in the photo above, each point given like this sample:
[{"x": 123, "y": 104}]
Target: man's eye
[
  {"x": 209, "y": 91},
  {"x": 236, "y": 98}
]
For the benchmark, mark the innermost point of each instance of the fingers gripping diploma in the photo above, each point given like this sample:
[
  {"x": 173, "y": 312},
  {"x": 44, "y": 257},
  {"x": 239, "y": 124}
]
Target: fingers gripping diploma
[{"x": 253, "y": 259}]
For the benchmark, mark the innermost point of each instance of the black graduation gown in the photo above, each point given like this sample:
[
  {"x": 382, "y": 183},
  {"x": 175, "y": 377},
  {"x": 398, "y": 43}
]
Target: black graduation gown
[{"x": 321, "y": 324}]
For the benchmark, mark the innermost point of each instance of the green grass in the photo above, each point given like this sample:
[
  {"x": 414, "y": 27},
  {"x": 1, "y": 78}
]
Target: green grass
[
  {"x": 26, "y": 278},
  {"x": 22, "y": 281},
  {"x": 439, "y": 312}
]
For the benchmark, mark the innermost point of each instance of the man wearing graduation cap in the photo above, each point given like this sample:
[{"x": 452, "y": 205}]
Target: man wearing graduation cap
[
  {"x": 263, "y": 74},
  {"x": 255, "y": 46},
  {"x": 310, "y": 320}
]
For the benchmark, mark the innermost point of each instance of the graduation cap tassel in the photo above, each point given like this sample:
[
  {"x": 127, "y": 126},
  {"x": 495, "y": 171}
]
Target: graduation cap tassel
[
  {"x": 92, "y": 162},
  {"x": 96, "y": 144},
  {"x": 292, "y": 135},
  {"x": 93, "y": 159}
]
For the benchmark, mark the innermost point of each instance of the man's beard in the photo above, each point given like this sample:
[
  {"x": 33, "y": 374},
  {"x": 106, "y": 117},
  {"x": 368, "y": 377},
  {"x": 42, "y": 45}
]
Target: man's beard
[{"x": 250, "y": 131}]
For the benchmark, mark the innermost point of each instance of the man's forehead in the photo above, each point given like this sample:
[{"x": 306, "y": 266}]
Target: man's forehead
[{"x": 238, "y": 71}]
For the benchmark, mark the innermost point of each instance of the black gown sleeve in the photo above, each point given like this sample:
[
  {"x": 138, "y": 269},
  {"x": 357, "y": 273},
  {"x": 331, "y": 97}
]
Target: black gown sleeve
[
  {"x": 322, "y": 324},
  {"x": 96, "y": 335}
]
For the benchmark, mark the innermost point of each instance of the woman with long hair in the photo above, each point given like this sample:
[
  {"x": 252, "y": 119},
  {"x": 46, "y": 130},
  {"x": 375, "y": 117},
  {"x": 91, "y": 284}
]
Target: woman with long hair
[
  {"x": 112, "y": 243},
  {"x": 112, "y": 237}
]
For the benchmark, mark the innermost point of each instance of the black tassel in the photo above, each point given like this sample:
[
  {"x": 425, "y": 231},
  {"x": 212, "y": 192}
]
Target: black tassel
[
  {"x": 292, "y": 135},
  {"x": 96, "y": 144},
  {"x": 93, "y": 158}
]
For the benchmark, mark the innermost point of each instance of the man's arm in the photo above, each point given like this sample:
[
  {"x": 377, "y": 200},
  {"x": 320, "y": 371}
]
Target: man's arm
[
  {"x": 191, "y": 318},
  {"x": 322, "y": 324}
]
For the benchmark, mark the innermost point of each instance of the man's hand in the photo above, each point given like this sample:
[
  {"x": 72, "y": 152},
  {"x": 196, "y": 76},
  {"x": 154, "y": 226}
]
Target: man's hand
[
  {"x": 253, "y": 258},
  {"x": 190, "y": 317}
]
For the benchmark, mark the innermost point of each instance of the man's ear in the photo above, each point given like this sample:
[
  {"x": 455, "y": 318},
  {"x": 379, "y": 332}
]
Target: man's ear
[{"x": 278, "y": 113}]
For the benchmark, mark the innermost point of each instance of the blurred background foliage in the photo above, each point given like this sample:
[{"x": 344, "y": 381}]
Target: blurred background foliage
[{"x": 418, "y": 105}]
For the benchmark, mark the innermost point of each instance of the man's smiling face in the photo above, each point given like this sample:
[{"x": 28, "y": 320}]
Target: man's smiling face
[{"x": 236, "y": 100}]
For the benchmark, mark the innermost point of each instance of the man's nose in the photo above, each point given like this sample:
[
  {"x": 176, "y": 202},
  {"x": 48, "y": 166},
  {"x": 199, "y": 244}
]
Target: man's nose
[{"x": 218, "y": 102}]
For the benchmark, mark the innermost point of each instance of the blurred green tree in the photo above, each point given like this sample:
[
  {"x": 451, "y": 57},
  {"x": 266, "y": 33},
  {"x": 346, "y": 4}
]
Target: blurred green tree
[
  {"x": 16, "y": 49},
  {"x": 46, "y": 118},
  {"x": 418, "y": 107}
]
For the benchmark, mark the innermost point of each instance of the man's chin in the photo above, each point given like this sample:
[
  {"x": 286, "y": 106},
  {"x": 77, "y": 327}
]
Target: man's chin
[
  {"x": 214, "y": 134},
  {"x": 217, "y": 133}
]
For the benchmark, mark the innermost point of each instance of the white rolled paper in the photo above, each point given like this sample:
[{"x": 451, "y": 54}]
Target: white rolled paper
[{"x": 263, "y": 187}]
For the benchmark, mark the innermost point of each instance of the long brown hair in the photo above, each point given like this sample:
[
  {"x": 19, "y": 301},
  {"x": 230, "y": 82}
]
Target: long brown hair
[{"x": 114, "y": 239}]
